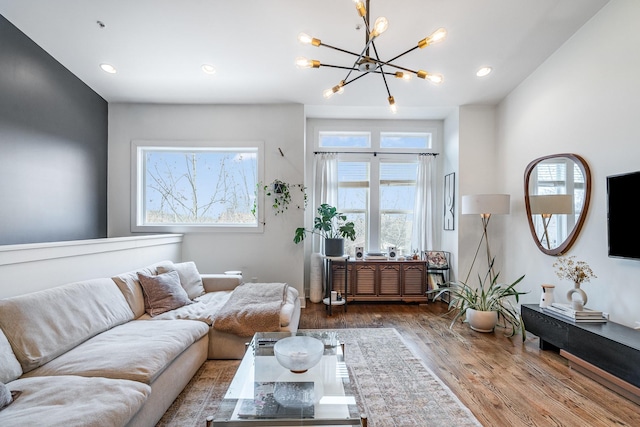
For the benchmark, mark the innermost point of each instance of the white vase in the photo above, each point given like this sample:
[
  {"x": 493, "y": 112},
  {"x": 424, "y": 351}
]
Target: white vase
[
  {"x": 482, "y": 321},
  {"x": 547, "y": 297}
]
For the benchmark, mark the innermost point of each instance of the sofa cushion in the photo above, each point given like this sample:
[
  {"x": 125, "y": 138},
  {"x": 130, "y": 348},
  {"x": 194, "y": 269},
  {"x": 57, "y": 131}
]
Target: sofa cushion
[
  {"x": 139, "y": 350},
  {"x": 162, "y": 292},
  {"x": 129, "y": 284},
  {"x": 10, "y": 368},
  {"x": 190, "y": 278},
  {"x": 72, "y": 401},
  {"x": 5, "y": 396},
  {"x": 203, "y": 309},
  {"x": 43, "y": 325}
]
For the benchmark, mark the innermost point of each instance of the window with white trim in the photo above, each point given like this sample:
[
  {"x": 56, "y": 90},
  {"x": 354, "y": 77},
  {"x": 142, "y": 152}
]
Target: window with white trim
[
  {"x": 182, "y": 187},
  {"x": 377, "y": 174}
]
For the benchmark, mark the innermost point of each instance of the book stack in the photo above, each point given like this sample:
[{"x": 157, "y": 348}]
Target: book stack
[{"x": 564, "y": 311}]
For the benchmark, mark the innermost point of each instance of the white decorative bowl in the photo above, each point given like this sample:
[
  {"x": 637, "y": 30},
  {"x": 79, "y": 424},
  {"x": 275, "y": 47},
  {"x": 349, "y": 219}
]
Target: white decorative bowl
[{"x": 299, "y": 353}]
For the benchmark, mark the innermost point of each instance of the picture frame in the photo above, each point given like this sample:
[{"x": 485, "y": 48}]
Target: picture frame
[
  {"x": 449, "y": 201},
  {"x": 435, "y": 281},
  {"x": 436, "y": 259}
]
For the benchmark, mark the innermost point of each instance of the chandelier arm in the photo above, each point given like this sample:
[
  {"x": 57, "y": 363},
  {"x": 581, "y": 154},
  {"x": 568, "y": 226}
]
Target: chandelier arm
[
  {"x": 340, "y": 50},
  {"x": 355, "y": 78},
  {"x": 402, "y": 54},
  {"x": 339, "y": 66},
  {"x": 384, "y": 78}
]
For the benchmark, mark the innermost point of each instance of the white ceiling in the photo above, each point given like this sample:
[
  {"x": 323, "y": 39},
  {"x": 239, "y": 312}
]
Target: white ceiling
[{"x": 158, "y": 47}]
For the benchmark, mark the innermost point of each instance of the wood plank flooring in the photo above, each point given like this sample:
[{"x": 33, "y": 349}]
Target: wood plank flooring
[{"x": 503, "y": 381}]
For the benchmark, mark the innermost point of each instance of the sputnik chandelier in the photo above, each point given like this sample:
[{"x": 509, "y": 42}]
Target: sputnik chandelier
[{"x": 365, "y": 63}]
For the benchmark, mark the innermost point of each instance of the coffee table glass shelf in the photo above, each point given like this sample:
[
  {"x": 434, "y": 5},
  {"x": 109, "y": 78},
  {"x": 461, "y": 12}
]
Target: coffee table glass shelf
[{"x": 263, "y": 393}]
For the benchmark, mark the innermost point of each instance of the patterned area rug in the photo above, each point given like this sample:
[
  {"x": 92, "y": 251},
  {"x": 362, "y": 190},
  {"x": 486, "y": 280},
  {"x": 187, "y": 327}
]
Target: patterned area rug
[{"x": 395, "y": 388}]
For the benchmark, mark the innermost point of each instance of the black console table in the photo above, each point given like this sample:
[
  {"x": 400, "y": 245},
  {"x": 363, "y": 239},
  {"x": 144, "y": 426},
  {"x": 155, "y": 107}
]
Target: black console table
[{"x": 607, "y": 352}]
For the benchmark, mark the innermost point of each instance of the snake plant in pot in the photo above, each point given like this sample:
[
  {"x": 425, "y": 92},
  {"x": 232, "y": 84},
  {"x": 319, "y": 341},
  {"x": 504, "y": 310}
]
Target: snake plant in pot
[
  {"x": 332, "y": 226},
  {"x": 485, "y": 305}
]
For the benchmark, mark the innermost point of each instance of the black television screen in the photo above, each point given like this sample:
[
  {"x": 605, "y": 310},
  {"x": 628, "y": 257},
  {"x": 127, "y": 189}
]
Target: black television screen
[{"x": 623, "y": 223}]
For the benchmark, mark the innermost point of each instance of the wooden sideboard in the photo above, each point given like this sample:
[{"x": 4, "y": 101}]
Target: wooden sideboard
[
  {"x": 382, "y": 280},
  {"x": 607, "y": 352}
]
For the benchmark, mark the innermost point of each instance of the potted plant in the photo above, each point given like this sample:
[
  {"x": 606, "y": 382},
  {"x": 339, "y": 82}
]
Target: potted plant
[
  {"x": 281, "y": 193},
  {"x": 485, "y": 305},
  {"x": 332, "y": 226}
]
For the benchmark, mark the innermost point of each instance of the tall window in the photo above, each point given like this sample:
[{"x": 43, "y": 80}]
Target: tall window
[
  {"x": 377, "y": 174},
  {"x": 180, "y": 188}
]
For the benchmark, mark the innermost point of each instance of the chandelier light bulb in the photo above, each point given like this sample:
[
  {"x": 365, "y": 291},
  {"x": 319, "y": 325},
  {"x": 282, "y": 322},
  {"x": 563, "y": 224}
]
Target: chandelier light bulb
[
  {"x": 403, "y": 76},
  {"x": 339, "y": 89},
  {"x": 392, "y": 105},
  {"x": 305, "y": 38},
  {"x": 435, "y": 37},
  {"x": 379, "y": 27},
  {"x": 435, "y": 78},
  {"x": 302, "y": 62},
  {"x": 362, "y": 10}
]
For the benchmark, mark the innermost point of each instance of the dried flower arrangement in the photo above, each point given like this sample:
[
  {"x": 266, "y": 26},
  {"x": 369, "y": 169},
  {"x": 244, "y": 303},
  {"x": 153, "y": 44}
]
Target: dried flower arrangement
[{"x": 576, "y": 271}]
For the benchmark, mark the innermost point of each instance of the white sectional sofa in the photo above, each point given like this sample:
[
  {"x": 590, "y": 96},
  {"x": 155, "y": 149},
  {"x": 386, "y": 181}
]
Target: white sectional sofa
[{"x": 90, "y": 354}]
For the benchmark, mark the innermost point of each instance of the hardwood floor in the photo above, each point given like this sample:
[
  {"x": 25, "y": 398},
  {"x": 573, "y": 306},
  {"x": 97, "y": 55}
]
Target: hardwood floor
[{"x": 503, "y": 381}]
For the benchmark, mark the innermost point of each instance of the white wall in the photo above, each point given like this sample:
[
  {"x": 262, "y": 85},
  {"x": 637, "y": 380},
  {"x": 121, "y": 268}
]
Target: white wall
[
  {"x": 584, "y": 99},
  {"x": 270, "y": 256},
  {"x": 37, "y": 266}
]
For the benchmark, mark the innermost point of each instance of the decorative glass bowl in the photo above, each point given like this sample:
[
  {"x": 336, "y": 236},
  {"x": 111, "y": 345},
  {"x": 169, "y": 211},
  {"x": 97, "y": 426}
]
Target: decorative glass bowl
[{"x": 299, "y": 353}]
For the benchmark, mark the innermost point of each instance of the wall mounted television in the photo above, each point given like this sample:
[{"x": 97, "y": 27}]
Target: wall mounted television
[{"x": 623, "y": 223}]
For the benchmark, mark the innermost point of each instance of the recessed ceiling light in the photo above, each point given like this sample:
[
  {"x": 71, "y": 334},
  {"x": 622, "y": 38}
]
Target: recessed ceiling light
[
  {"x": 484, "y": 71},
  {"x": 209, "y": 69},
  {"x": 108, "y": 68}
]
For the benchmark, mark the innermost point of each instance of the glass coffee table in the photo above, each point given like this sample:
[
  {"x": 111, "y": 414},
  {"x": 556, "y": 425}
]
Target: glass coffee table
[{"x": 263, "y": 393}]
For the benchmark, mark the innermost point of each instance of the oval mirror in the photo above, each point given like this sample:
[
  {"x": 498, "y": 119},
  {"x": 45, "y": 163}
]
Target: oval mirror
[{"x": 557, "y": 191}]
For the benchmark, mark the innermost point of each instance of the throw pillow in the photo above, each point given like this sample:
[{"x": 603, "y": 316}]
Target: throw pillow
[
  {"x": 189, "y": 277},
  {"x": 162, "y": 293}
]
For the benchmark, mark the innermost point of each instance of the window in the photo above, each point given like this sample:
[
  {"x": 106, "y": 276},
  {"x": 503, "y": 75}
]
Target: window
[
  {"x": 377, "y": 175},
  {"x": 184, "y": 187}
]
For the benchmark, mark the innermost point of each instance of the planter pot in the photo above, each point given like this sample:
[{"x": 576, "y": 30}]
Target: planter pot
[
  {"x": 482, "y": 321},
  {"x": 334, "y": 247}
]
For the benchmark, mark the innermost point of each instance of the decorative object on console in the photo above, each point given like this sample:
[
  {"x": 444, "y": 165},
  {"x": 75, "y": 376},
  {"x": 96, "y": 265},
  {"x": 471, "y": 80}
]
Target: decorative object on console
[
  {"x": 578, "y": 272},
  {"x": 332, "y": 226},
  {"x": 548, "y": 205},
  {"x": 365, "y": 63},
  {"x": 299, "y": 353},
  {"x": 565, "y": 175},
  {"x": 547, "y": 297}
]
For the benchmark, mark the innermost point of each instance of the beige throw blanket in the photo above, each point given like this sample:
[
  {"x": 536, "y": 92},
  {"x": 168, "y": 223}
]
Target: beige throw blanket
[{"x": 252, "y": 307}]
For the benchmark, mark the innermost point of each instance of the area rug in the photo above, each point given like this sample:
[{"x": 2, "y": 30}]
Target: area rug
[{"x": 395, "y": 388}]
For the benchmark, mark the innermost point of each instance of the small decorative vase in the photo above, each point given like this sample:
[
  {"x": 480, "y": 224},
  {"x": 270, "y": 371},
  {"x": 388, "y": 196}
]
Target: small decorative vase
[
  {"x": 546, "y": 298},
  {"x": 579, "y": 303},
  {"x": 482, "y": 321}
]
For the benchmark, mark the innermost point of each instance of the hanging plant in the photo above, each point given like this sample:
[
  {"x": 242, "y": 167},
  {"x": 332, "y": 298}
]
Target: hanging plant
[{"x": 280, "y": 193}]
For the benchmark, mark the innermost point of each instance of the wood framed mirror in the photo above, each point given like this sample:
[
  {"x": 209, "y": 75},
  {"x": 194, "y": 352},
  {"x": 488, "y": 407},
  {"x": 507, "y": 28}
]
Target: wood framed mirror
[{"x": 557, "y": 191}]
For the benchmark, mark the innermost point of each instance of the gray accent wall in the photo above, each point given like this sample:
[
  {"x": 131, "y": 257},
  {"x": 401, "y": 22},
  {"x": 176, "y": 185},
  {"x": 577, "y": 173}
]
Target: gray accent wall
[{"x": 53, "y": 148}]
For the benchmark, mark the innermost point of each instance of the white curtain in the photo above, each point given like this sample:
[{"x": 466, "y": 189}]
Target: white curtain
[
  {"x": 326, "y": 191},
  {"x": 423, "y": 220},
  {"x": 326, "y": 179}
]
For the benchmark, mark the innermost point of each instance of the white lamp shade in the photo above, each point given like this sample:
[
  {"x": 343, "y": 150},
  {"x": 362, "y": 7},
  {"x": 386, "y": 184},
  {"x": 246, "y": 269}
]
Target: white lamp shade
[
  {"x": 479, "y": 204},
  {"x": 551, "y": 204}
]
